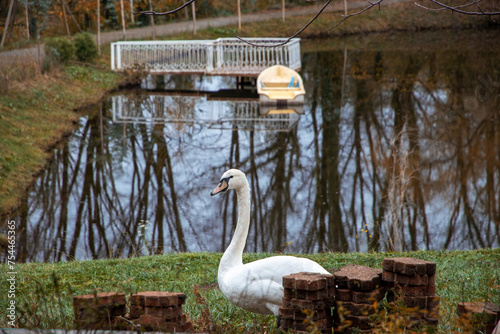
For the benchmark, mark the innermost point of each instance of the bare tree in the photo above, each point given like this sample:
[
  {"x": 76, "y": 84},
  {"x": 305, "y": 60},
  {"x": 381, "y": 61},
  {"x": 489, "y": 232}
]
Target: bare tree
[
  {"x": 459, "y": 9},
  {"x": 345, "y": 16}
]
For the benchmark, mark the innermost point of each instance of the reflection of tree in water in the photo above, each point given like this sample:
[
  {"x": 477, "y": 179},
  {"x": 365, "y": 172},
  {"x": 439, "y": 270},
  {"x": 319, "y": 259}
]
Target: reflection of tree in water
[{"x": 408, "y": 159}]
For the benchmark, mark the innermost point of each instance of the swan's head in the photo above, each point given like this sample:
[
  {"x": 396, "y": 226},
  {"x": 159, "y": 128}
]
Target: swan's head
[{"x": 232, "y": 179}]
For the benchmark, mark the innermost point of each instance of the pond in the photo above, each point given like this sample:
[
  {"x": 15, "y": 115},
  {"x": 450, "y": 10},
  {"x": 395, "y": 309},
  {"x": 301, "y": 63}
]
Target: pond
[{"x": 397, "y": 147}]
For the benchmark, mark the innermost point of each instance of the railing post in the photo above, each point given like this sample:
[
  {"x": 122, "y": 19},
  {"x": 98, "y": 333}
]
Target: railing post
[
  {"x": 113, "y": 67},
  {"x": 118, "y": 55},
  {"x": 210, "y": 57}
]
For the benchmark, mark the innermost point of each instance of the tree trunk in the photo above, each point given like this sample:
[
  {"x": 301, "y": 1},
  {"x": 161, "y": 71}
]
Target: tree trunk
[
  {"x": 132, "y": 11},
  {"x": 98, "y": 27},
  {"x": 7, "y": 22},
  {"x": 122, "y": 7},
  {"x": 239, "y": 14},
  {"x": 283, "y": 10},
  {"x": 65, "y": 19},
  {"x": 193, "y": 9},
  {"x": 27, "y": 22},
  {"x": 152, "y": 20},
  {"x": 71, "y": 14}
]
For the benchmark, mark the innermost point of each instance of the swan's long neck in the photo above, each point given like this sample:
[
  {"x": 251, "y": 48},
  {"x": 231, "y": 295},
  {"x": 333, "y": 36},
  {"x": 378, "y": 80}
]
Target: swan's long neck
[{"x": 233, "y": 255}]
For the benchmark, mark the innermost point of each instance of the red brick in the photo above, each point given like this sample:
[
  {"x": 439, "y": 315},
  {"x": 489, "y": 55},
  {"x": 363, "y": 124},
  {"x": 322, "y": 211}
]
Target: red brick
[
  {"x": 286, "y": 312},
  {"x": 433, "y": 306},
  {"x": 300, "y": 315},
  {"x": 361, "y": 321},
  {"x": 311, "y": 295},
  {"x": 357, "y": 309},
  {"x": 411, "y": 280},
  {"x": 289, "y": 293},
  {"x": 136, "y": 311},
  {"x": 310, "y": 281},
  {"x": 410, "y": 266},
  {"x": 157, "y": 298},
  {"x": 344, "y": 295},
  {"x": 321, "y": 324},
  {"x": 488, "y": 312},
  {"x": 367, "y": 297},
  {"x": 431, "y": 268},
  {"x": 355, "y": 277},
  {"x": 411, "y": 290},
  {"x": 431, "y": 290},
  {"x": 288, "y": 281},
  {"x": 301, "y": 304},
  {"x": 388, "y": 264},
  {"x": 388, "y": 276},
  {"x": 166, "y": 313},
  {"x": 286, "y": 302},
  {"x": 102, "y": 299},
  {"x": 420, "y": 302}
]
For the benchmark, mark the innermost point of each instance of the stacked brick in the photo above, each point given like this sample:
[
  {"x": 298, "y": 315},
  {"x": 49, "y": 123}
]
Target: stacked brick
[
  {"x": 307, "y": 302},
  {"x": 414, "y": 281},
  {"x": 99, "y": 311},
  {"x": 152, "y": 310},
  {"x": 159, "y": 311},
  {"x": 358, "y": 289},
  {"x": 481, "y": 315}
]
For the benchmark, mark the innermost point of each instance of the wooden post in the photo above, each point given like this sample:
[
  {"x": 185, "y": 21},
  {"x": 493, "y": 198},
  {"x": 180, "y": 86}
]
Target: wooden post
[
  {"x": 283, "y": 10},
  {"x": 7, "y": 22},
  {"x": 239, "y": 14},
  {"x": 27, "y": 22},
  {"x": 152, "y": 20},
  {"x": 122, "y": 7},
  {"x": 132, "y": 11},
  {"x": 98, "y": 27},
  {"x": 193, "y": 9}
]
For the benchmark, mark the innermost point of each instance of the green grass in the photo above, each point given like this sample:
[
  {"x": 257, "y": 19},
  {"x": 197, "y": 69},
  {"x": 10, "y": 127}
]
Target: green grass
[
  {"x": 44, "y": 291},
  {"x": 39, "y": 110}
]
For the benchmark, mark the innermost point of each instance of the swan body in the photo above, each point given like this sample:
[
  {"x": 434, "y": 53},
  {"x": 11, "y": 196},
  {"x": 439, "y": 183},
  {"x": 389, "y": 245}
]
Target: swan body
[{"x": 255, "y": 286}]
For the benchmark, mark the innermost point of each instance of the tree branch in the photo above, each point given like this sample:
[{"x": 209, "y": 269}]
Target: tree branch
[
  {"x": 457, "y": 8},
  {"x": 294, "y": 35},
  {"x": 152, "y": 12},
  {"x": 371, "y": 4}
]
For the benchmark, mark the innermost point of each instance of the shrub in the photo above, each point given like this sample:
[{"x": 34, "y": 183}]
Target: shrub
[
  {"x": 60, "y": 48},
  {"x": 85, "y": 47}
]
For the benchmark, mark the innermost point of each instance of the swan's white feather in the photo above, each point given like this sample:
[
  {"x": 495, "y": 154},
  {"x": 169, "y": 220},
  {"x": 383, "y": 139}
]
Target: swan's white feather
[{"x": 255, "y": 286}]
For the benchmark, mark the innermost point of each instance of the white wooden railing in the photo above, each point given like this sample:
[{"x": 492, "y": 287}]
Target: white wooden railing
[{"x": 223, "y": 56}]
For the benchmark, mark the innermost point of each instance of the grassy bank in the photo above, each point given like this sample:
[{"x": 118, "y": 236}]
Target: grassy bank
[
  {"x": 37, "y": 111},
  {"x": 44, "y": 290}
]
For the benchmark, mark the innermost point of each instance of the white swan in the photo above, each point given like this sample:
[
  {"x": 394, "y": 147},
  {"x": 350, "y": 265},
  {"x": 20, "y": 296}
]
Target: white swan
[{"x": 255, "y": 286}]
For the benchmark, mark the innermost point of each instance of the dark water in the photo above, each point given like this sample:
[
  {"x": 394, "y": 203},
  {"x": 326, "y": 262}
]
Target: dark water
[{"x": 398, "y": 148}]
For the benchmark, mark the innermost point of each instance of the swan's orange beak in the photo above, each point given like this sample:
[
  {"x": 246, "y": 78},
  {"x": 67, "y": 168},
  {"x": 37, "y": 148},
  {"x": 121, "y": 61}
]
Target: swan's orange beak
[{"x": 222, "y": 187}]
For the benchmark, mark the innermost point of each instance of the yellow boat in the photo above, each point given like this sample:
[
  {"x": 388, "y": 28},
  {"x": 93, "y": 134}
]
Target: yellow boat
[{"x": 280, "y": 85}]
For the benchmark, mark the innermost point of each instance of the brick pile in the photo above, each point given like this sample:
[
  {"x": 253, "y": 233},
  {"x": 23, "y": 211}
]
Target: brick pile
[
  {"x": 99, "y": 311},
  {"x": 307, "y": 302},
  {"x": 152, "y": 310},
  {"x": 483, "y": 316},
  {"x": 414, "y": 281},
  {"x": 358, "y": 288},
  {"x": 159, "y": 311}
]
